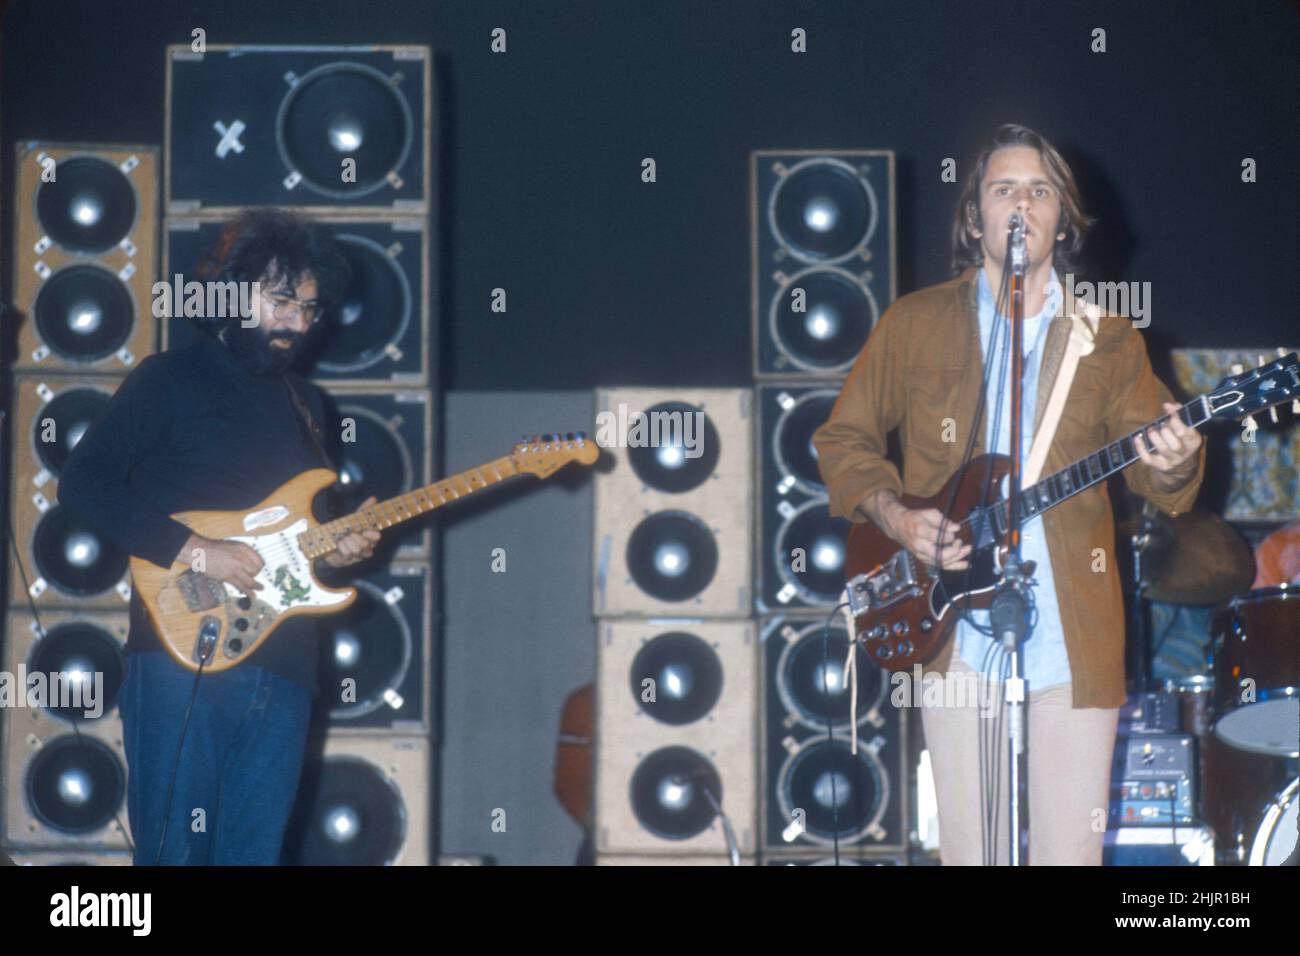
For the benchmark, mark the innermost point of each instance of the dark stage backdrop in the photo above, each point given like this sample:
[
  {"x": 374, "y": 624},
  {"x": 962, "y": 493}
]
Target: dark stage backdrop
[{"x": 612, "y": 280}]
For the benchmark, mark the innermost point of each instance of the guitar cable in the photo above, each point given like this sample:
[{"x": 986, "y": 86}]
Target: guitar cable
[
  {"x": 204, "y": 656},
  {"x": 40, "y": 630}
]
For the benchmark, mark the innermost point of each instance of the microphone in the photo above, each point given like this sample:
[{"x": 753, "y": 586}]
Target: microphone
[{"x": 1016, "y": 240}]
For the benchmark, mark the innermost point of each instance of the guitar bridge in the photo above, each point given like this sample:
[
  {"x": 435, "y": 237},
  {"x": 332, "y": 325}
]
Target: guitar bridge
[
  {"x": 201, "y": 593},
  {"x": 893, "y": 581}
]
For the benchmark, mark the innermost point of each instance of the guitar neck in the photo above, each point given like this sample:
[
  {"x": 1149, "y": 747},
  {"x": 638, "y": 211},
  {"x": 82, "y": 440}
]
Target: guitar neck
[
  {"x": 1093, "y": 469},
  {"x": 385, "y": 514}
]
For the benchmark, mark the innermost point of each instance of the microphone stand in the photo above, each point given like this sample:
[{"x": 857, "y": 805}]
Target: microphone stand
[{"x": 1009, "y": 612}]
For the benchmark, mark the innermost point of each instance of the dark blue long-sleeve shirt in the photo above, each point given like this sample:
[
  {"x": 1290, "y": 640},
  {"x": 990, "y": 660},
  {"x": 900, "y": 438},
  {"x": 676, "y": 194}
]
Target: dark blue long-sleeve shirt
[{"x": 192, "y": 429}]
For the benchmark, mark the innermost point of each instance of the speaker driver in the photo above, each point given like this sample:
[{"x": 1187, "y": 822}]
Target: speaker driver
[
  {"x": 376, "y": 463},
  {"x": 672, "y": 555},
  {"x": 822, "y": 541},
  {"x": 84, "y": 313},
  {"x": 813, "y": 685},
  {"x": 344, "y": 111},
  {"x": 668, "y": 793},
  {"x": 371, "y": 645},
  {"x": 77, "y": 652},
  {"x": 75, "y": 785},
  {"x": 687, "y": 677},
  {"x": 89, "y": 208},
  {"x": 71, "y": 412},
  {"x": 793, "y": 447},
  {"x": 839, "y": 793},
  {"x": 356, "y": 818},
  {"x": 375, "y": 310},
  {"x": 822, "y": 210},
  {"x": 73, "y": 556},
  {"x": 836, "y": 317},
  {"x": 666, "y": 465}
]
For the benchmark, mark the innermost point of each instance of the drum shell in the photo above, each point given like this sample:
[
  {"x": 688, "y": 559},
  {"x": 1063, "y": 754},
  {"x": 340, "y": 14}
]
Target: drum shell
[{"x": 1255, "y": 635}]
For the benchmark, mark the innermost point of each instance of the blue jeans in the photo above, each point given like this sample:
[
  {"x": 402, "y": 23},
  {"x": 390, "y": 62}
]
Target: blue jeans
[{"x": 240, "y": 764}]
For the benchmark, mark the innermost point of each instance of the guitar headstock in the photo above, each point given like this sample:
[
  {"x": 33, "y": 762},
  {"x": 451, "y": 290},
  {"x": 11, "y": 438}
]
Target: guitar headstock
[
  {"x": 1256, "y": 389},
  {"x": 543, "y": 455}
]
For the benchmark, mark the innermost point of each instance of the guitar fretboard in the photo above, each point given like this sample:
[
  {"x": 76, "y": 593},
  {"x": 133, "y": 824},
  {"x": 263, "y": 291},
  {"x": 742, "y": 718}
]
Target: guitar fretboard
[
  {"x": 1095, "y": 468},
  {"x": 319, "y": 541}
]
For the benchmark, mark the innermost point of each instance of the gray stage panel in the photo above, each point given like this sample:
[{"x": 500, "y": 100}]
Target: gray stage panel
[{"x": 514, "y": 644}]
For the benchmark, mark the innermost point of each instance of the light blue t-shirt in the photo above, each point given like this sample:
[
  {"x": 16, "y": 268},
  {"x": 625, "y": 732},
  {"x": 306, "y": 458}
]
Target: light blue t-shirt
[{"x": 1044, "y": 661}]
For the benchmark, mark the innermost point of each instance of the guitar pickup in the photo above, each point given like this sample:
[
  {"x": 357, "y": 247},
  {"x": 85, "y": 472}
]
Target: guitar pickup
[{"x": 200, "y": 592}]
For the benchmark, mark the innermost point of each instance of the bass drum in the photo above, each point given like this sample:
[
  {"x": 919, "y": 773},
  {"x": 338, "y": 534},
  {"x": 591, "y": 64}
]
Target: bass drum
[
  {"x": 1276, "y": 841},
  {"x": 1256, "y": 642}
]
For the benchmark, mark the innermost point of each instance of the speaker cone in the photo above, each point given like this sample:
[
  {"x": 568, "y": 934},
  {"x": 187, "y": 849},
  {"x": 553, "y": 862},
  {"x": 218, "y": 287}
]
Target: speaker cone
[
  {"x": 73, "y": 556},
  {"x": 89, "y": 208},
  {"x": 822, "y": 210},
  {"x": 839, "y": 793},
  {"x": 75, "y": 785},
  {"x": 687, "y": 676},
  {"x": 792, "y": 443},
  {"x": 84, "y": 313},
  {"x": 377, "y": 462},
  {"x": 668, "y": 793},
  {"x": 813, "y": 684},
  {"x": 822, "y": 540},
  {"x": 77, "y": 652},
  {"x": 672, "y": 555},
  {"x": 375, "y": 310},
  {"x": 71, "y": 413},
  {"x": 836, "y": 315},
  {"x": 371, "y": 645},
  {"x": 668, "y": 464},
  {"x": 351, "y": 815},
  {"x": 344, "y": 111}
]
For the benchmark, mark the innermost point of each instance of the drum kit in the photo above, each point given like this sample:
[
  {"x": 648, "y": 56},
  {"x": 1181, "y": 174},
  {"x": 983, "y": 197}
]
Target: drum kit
[{"x": 1244, "y": 708}]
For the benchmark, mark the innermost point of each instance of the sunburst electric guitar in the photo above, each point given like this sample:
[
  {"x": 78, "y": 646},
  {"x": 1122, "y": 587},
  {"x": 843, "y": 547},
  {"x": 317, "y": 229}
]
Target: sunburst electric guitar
[
  {"x": 199, "y": 617},
  {"x": 904, "y": 610}
]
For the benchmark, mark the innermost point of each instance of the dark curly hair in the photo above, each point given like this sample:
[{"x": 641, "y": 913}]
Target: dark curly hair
[
  {"x": 966, "y": 249},
  {"x": 277, "y": 246}
]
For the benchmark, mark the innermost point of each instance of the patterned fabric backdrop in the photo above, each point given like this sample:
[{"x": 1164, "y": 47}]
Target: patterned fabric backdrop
[{"x": 1265, "y": 482}]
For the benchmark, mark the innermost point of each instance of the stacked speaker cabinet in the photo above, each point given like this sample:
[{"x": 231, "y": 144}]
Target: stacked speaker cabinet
[
  {"x": 85, "y": 260},
  {"x": 677, "y": 653},
  {"x": 822, "y": 273}
]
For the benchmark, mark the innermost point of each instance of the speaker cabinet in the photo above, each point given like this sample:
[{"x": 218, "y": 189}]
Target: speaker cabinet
[
  {"x": 801, "y": 548},
  {"x": 86, "y": 226},
  {"x": 723, "y": 860},
  {"x": 71, "y": 858},
  {"x": 674, "y": 737},
  {"x": 299, "y": 127},
  {"x": 380, "y": 334},
  {"x": 377, "y": 668},
  {"x": 62, "y": 560},
  {"x": 822, "y": 254},
  {"x": 813, "y": 786},
  {"x": 62, "y": 787},
  {"x": 363, "y": 802},
  {"x": 673, "y": 514}
]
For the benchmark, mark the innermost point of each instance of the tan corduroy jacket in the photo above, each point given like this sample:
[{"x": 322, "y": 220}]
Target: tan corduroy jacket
[{"x": 922, "y": 365}]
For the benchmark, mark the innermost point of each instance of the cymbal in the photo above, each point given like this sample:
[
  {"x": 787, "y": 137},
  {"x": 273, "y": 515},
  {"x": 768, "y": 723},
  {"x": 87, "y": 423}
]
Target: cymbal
[{"x": 1196, "y": 558}]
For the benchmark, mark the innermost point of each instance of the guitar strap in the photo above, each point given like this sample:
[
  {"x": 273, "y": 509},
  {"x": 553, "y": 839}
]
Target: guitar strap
[
  {"x": 305, "y": 418},
  {"x": 1080, "y": 344}
]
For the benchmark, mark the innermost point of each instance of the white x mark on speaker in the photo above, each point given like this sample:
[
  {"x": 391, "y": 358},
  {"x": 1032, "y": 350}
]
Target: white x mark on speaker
[{"x": 229, "y": 137}]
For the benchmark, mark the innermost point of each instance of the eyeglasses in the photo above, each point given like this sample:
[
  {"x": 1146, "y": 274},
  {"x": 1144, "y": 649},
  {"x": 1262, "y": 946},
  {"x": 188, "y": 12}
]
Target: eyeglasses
[{"x": 281, "y": 304}]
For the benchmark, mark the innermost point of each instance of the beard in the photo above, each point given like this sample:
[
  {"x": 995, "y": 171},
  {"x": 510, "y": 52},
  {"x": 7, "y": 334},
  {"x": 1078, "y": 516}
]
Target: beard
[{"x": 253, "y": 348}]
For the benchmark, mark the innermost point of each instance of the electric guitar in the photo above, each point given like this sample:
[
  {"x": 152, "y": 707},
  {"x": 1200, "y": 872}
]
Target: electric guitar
[
  {"x": 198, "y": 617},
  {"x": 904, "y": 610}
]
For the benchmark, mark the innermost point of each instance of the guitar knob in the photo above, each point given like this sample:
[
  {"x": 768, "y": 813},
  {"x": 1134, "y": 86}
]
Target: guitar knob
[
  {"x": 927, "y": 625},
  {"x": 904, "y": 648},
  {"x": 900, "y": 628},
  {"x": 884, "y": 652}
]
